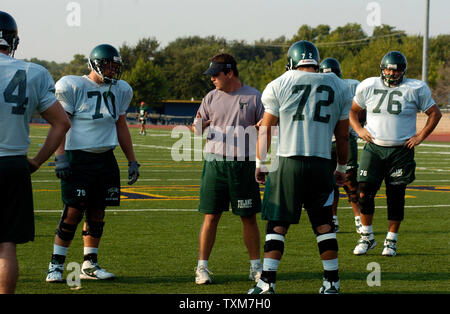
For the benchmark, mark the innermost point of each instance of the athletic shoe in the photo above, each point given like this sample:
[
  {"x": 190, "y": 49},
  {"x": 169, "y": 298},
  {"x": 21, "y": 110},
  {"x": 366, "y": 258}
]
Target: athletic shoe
[
  {"x": 330, "y": 287},
  {"x": 90, "y": 270},
  {"x": 54, "y": 272},
  {"x": 390, "y": 247},
  {"x": 364, "y": 244},
  {"x": 202, "y": 275},
  {"x": 255, "y": 272},
  {"x": 336, "y": 224},
  {"x": 262, "y": 287}
]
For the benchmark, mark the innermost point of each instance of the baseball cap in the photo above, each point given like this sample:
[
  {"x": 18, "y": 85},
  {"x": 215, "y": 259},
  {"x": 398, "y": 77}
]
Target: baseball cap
[{"x": 215, "y": 68}]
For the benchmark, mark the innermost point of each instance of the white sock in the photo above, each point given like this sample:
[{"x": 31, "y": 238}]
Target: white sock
[
  {"x": 90, "y": 250},
  {"x": 358, "y": 219},
  {"x": 391, "y": 236},
  {"x": 202, "y": 262},
  {"x": 367, "y": 229},
  {"x": 60, "y": 250},
  {"x": 331, "y": 264},
  {"x": 335, "y": 218},
  {"x": 270, "y": 264},
  {"x": 255, "y": 262}
]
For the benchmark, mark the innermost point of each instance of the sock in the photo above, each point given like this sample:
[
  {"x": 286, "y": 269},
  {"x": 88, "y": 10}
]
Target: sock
[
  {"x": 90, "y": 254},
  {"x": 202, "y": 262},
  {"x": 59, "y": 253},
  {"x": 330, "y": 270},
  {"x": 357, "y": 219},
  {"x": 391, "y": 236},
  {"x": 255, "y": 263},
  {"x": 367, "y": 230},
  {"x": 270, "y": 267}
]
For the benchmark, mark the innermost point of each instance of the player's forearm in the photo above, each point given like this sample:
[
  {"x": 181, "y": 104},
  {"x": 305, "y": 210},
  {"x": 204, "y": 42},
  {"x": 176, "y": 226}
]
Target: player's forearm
[{"x": 434, "y": 115}]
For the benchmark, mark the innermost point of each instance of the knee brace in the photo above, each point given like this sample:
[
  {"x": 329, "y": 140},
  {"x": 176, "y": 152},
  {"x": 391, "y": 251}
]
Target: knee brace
[
  {"x": 367, "y": 198},
  {"x": 395, "y": 195},
  {"x": 64, "y": 230},
  {"x": 327, "y": 241},
  {"x": 94, "y": 229},
  {"x": 274, "y": 239}
]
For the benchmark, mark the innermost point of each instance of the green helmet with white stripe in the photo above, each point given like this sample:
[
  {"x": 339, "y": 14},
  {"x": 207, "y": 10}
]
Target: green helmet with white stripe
[
  {"x": 302, "y": 53},
  {"x": 105, "y": 60}
]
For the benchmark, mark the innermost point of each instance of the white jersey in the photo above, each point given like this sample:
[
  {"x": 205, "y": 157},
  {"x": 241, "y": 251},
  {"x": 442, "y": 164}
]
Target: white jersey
[
  {"x": 353, "y": 85},
  {"x": 308, "y": 106},
  {"x": 94, "y": 111},
  {"x": 392, "y": 111},
  {"x": 24, "y": 88}
]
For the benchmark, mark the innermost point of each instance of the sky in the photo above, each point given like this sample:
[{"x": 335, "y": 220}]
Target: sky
[{"x": 55, "y": 30}]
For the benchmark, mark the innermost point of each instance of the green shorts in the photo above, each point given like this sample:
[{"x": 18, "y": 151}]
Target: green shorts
[
  {"x": 16, "y": 211},
  {"x": 394, "y": 165},
  {"x": 229, "y": 181},
  {"x": 298, "y": 182},
  {"x": 352, "y": 162},
  {"x": 95, "y": 180}
]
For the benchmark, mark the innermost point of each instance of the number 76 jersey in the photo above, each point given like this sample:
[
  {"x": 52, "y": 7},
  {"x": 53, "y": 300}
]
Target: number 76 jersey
[
  {"x": 392, "y": 111},
  {"x": 95, "y": 109}
]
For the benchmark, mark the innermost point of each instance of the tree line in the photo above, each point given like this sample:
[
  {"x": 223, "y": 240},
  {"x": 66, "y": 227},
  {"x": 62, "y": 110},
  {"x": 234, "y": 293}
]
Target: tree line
[{"x": 176, "y": 71}]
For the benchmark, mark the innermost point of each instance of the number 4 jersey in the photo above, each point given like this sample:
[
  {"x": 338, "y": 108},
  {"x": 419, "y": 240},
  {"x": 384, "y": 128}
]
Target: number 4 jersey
[
  {"x": 24, "y": 88},
  {"x": 392, "y": 111},
  {"x": 308, "y": 106},
  {"x": 94, "y": 108}
]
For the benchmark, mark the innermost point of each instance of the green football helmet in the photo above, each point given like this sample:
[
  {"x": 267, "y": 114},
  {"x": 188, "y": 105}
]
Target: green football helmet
[
  {"x": 302, "y": 53},
  {"x": 8, "y": 32},
  {"x": 394, "y": 60},
  {"x": 102, "y": 57},
  {"x": 329, "y": 65}
]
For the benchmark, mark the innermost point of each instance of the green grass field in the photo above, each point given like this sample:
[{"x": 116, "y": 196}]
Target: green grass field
[{"x": 150, "y": 241}]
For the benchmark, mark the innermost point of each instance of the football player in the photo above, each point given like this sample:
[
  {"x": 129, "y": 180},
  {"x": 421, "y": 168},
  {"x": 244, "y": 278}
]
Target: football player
[
  {"x": 85, "y": 161},
  {"x": 143, "y": 118},
  {"x": 25, "y": 87},
  {"x": 331, "y": 65},
  {"x": 392, "y": 102},
  {"x": 308, "y": 107}
]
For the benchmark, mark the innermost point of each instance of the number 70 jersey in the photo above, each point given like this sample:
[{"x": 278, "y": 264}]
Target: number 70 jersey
[
  {"x": 95, "y": 109},
  {"x": 308, "y": 106},
  {"x": 392, "y": 111}
]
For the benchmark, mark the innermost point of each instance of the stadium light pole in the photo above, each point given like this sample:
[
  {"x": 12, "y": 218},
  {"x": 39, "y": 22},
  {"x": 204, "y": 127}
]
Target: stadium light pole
[{"x": 425, "y": 43}]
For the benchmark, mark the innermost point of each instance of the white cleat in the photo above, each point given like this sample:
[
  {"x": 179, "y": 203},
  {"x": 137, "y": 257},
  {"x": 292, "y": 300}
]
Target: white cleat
[
  {"x": 54, "y": 273},
  {"x": 90, "y": 270},
  {"x": 390, "y": 248},
  {"x": 202, "y": 275},
  {"x": 330, "y": 287},
  {"x": 364, "y": 244}
]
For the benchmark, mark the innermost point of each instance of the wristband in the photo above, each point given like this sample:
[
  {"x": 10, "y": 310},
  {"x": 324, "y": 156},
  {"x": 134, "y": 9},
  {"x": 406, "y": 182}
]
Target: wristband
[
  {"x": 259, "y": 162},
  {"x": 341, "y": 168}
]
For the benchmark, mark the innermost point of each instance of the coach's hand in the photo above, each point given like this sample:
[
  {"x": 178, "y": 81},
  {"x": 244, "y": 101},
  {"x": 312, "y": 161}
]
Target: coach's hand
[
  {"x": 133, "y": 171},
  {"x": 260, "y": 175},
  {"x": 62, "y": 167}
]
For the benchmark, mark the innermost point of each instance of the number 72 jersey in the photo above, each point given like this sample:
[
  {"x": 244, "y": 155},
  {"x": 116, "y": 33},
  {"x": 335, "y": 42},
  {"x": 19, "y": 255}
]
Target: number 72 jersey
[
  {"x": 392, "y": 111},
  {"x": 95, "y": 109},
  {"x": 308, "y": 107}
]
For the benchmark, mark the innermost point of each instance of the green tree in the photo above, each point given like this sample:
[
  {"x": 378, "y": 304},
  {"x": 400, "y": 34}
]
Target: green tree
[{"x": 148, "y": 82}]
